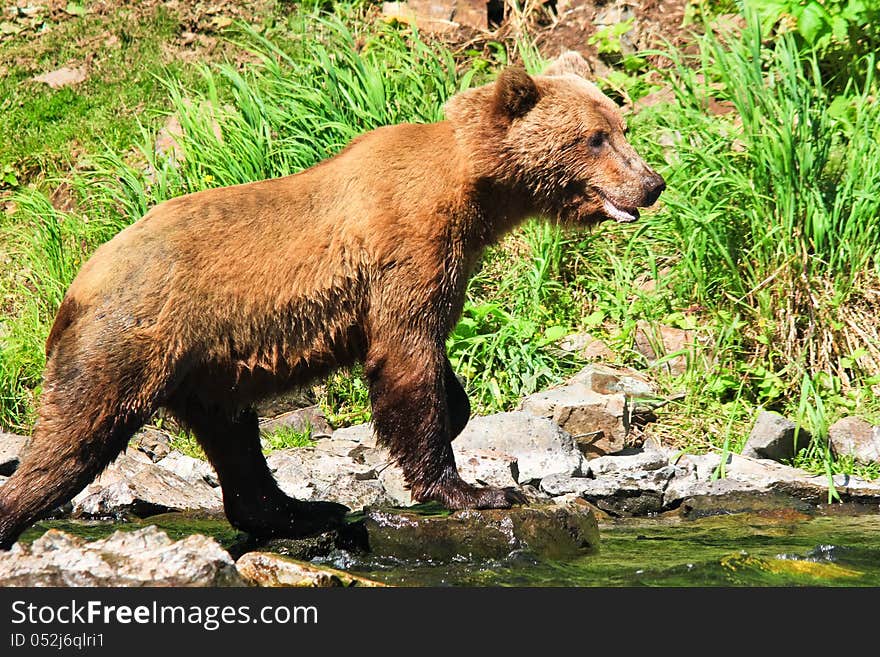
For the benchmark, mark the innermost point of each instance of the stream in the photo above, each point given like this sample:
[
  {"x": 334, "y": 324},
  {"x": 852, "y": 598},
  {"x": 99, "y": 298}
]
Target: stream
[{"x": 779, "y": 548}]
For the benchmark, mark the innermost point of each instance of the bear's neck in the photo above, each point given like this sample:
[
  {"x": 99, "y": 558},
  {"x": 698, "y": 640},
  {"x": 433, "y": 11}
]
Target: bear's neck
[{"x": 494, "y": 203}]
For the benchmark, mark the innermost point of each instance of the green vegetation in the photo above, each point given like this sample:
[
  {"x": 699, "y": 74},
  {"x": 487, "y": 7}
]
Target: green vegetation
[
  {"x": 285, "y": 437},
  {"x": 764, "y": 246}
]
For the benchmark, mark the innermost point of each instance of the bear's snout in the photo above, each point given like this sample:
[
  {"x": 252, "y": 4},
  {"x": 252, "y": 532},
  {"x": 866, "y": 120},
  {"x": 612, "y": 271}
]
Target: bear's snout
[{"x": 653, "y": 185}]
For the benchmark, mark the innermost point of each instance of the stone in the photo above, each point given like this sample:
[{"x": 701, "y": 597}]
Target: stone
[
  {"x": 766, "y": 475},
  {"x": 11, "y": 448},
  {"x": 607, "y": 380},
  {"x": 63, "y": 77},
  {"x": 310, "y": 474},
  {"x": 343, "y": 447},
  {"x": 668, "y": 343},
  {"x": 685, "y": 485},
  {"x": 168, "y": 139},
  {"x": 153, "y": 442},
  {"x": 394, "y": 485},
  {"x": 586, "y": 346},
  {"x": 360, "y": 433},
  {"x": 539, "y": 446},
  {"x": 702, "y": 465},
  {"x": 724, "y": 500},
  {"x": 267, "y": 569},
  {"x": 144, "y": 557},
  {"x": 486, "y": 468},
  {"x": 617, "y": 494},
  {"x": 189, "y": 469},
  {"x": 439, "y": 15},
  {"x": 134, "y": 485},
  {"x": 639, "y": 461},
  {"x": 852, "y": 436},
  {"x": 598, "y": 423},
  {"x": 302, "y": 419},
  {"x": 773, "y": 437},
  {"x": 549, "y": 531}
]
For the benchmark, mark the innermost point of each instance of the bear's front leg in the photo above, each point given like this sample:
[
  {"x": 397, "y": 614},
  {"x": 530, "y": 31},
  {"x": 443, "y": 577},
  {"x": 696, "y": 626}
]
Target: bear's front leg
[{"x": 411, "y": 418}]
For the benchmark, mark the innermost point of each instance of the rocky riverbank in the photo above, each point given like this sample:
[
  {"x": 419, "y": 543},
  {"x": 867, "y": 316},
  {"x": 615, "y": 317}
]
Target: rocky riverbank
[{"x": 568, "y": 449}]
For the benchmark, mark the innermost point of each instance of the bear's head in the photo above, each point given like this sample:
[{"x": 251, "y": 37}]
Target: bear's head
[{"x": 557, "y": 139}]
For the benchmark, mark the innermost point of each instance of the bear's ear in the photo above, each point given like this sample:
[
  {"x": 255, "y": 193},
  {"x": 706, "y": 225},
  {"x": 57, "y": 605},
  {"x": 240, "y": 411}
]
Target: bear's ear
[
  {"x": 570, "y": 63},
  {"x": 515, "y": 93}
]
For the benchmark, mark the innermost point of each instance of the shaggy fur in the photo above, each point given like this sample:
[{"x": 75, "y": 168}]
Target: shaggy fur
[{"x": 216, "y": 299}]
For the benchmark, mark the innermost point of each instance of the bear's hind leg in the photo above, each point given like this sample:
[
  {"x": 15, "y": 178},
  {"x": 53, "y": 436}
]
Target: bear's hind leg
[
  {"x": 82, "y": 427},
  {"x": 252, "y": 500}
]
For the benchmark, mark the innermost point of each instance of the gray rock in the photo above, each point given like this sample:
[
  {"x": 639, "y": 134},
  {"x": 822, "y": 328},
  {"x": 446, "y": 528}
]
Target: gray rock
[
  {"x": 341, "y": 447},
  {"x": 620, "y": 494},
  {"x": 11, "y": 448},
  {"x": 311, "y": 418},
  {"x": 640, "y": 461},
  {"x": 563, "y": 484},
  {"x": 685, "y": 485},
  {"x": 144, "y": 557},
  {"x": 133, "y": 484},
  {"x": 852, "y": 436},
  {"x": 153, "y": 442},
  {"x": 394, "y": 485},
  {"x": 702, "y": 465},
  {"x": 549, "y": 530},
  {"x": 665, "y": 345},
  {"x": 773, "y": 437},
  {"x": 487, "y": 468},
  {"x": 598, "y": 422},
  {"x": 539, "y": 446},
  {"x": 766, "y": 475},
  {"x": 588, "y": 347},
  {"x": 607, "y": 380},
  {"x": 189, "y": 469},
  {"x": 310, "y": 474},
  {"x": 360, "y": 433}
]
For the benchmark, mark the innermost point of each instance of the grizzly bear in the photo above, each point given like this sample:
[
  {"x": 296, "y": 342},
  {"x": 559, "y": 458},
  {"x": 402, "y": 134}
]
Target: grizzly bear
[{"x": 214, "y": 300}]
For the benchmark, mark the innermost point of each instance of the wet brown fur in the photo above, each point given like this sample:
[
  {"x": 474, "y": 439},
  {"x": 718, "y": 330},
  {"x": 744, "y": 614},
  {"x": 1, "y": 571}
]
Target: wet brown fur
[{"x": 216, "y": 299}]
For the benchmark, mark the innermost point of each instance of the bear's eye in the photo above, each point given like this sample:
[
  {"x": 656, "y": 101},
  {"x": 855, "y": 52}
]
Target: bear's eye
[{"x": 597, "y": 140}]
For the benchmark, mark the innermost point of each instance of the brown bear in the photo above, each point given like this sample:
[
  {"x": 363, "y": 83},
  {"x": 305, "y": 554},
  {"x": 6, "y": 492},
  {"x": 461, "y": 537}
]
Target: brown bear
[{"x": 216, "y": 299}]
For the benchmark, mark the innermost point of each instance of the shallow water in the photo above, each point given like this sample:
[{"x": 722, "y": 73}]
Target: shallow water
[{"x": 782, "y": 549}]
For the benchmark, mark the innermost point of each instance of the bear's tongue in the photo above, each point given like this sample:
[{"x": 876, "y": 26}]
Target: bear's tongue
[{"x": 619, "y": 214}]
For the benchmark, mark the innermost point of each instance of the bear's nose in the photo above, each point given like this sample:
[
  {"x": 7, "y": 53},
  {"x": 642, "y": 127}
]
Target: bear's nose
[{"x": 653, "y": 186}]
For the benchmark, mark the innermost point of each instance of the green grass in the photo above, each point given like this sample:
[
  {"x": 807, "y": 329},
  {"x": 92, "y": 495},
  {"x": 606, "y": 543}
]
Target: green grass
[
  {"x": 287, "y": 437},
  {"x": 48, "y": 131},
  {"x": 769, "y": 231},
  {"x": 765, "y": 242}
]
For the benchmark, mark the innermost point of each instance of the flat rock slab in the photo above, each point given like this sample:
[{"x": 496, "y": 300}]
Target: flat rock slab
[
  {"x": 134, "y": 485},
  {"x": 272, "y": 570},
  {"x": 539, "y": 446},
  {"x": 549, "y": 531},
  {"x": 144, "y": 557},
  {"x": 728, "y": 499}
]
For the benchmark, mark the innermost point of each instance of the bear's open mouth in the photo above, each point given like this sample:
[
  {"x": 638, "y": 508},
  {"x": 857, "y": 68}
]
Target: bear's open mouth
[{"x": 616, "y": 211}]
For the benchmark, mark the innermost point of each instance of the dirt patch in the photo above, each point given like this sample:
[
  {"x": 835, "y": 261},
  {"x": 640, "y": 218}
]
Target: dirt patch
[{"x": 559, "y": 25}]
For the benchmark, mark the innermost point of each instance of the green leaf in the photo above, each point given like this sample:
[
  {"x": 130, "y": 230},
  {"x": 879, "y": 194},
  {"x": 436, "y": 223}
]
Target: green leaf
[
  {"x": 554, "y": 333},
  {"x": 813, "y": 22}
]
